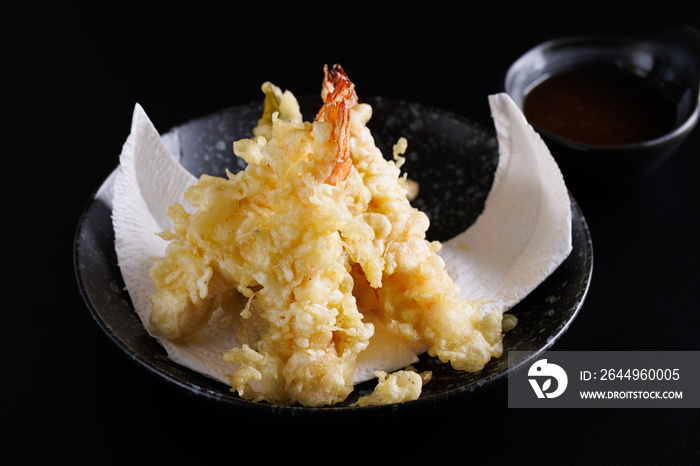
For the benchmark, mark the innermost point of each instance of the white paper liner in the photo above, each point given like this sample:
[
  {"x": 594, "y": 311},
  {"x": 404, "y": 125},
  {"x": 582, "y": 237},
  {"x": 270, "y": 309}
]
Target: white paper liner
[
  {"x": 524, "y": 232},
  {"x": 521, "y": 237}
]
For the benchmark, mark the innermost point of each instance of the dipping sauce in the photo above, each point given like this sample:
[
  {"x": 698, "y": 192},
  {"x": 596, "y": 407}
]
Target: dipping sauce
[{"x": 600, "y": 107}]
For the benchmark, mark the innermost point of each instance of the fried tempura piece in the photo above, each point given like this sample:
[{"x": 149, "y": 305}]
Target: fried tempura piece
[
  {"x": 414, "y": 290},
  {"x": 400, "y": 386},
  {"x": 273, "y": 234},
  {"x": 317, "y": 214}
]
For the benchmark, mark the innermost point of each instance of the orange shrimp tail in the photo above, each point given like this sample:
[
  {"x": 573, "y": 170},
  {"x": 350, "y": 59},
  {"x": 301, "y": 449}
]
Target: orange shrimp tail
[
  {"x": 337, "y": 84},
  {"x": 341, "y": 169},
  {"x": 339, "y": 96}
]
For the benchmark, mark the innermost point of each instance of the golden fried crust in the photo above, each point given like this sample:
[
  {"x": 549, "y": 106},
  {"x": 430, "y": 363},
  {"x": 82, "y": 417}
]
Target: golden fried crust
[
  {"x": 419, "y": 296},
  {"x": 287, "y": 256}
]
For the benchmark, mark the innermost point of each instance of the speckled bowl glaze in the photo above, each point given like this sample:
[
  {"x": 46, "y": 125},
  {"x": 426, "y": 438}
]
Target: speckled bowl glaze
[{"x": 454, "y": 161}]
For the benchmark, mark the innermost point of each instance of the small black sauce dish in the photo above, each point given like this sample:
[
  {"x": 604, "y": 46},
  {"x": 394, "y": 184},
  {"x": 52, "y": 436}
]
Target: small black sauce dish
[{"x": 666, "y": 66}]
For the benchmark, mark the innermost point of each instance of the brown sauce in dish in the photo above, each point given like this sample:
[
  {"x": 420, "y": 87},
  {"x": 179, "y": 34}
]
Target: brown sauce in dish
[{"x": 600, "y": 107}]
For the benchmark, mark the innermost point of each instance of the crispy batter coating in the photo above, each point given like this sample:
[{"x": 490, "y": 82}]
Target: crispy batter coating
[
  {"x": 400, "y": 386},
  {"x": 282, "y": 245}
]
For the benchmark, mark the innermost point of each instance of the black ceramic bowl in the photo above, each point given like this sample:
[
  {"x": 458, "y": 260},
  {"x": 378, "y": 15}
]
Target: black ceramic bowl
[
  {"x": 453, "y": 160},
  {"x": 669, "y": 61}
]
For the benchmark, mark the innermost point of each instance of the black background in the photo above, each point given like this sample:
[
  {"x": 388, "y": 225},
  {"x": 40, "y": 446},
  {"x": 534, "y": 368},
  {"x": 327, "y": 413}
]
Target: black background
[{"x": 71, "y": 75}]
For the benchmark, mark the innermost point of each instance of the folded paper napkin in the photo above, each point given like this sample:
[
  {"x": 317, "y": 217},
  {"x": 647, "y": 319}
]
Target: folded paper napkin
[
  {"x": 524, "y": 232},
  {"x": 521, "y": 237}
]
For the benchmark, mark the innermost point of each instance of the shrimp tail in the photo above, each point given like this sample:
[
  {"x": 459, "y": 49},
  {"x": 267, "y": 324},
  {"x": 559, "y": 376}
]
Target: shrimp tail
[
  {"x": 336, "y": 84},
  {"x": 339, "y": 96}
]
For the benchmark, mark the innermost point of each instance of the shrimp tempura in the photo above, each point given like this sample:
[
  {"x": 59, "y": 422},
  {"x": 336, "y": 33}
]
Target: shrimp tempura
[{"x": 318, "y": 221}]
